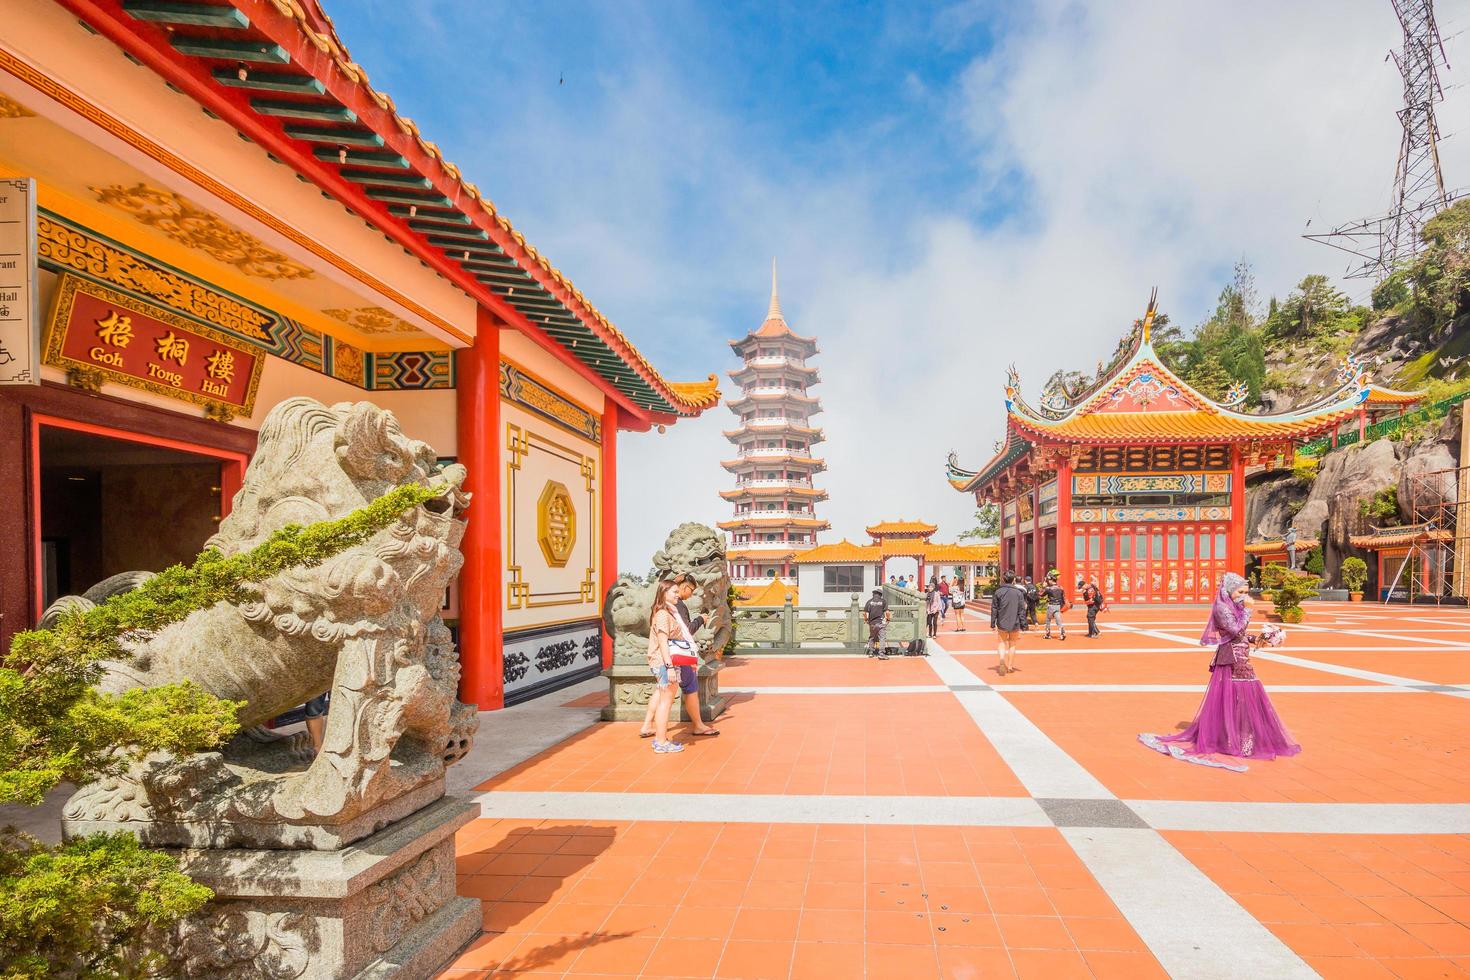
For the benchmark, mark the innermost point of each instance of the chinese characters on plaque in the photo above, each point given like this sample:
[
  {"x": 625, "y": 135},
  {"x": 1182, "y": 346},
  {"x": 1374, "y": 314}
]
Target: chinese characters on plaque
[
  {"x": 128, "y": 341},
  {"x": 19, "y": 350}
]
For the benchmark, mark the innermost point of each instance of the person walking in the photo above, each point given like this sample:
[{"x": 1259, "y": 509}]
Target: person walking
[
  {"x": 1235, "y": 717},
  {"x": 1092, "y": 597},
  {"x": 957, "y": 599},
  {"x": 933, "y": 607},
  {"x": 1007, "y": 615},
  {"x": 944, "y": 590},
  {"x": 684, "y": 589},
  {"x": 875, "y": 611},
  {"x": 667, "y": 634},
  {"x": 1056, "y": 603},
  {"x": 1033, "y": 600}
]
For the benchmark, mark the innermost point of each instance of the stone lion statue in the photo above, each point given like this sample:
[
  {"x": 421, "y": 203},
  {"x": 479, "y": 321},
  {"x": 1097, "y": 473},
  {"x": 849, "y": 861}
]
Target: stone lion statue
[
  {"x": 364, "y": 626},
  {"x": 692, "y": 548}
]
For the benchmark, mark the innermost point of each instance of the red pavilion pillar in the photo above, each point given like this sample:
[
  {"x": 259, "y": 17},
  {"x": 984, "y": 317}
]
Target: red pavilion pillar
[
  {"x": 1037, "y": 570},
  {"x": 477, "y": 399},
  {"x": 1236, "y": 558},
  {"x": 1066, "y": 550},
  {"x": 609, "y": 512}
]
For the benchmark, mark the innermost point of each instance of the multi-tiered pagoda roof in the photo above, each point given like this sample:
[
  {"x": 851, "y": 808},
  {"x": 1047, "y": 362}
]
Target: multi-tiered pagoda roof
[{"x": 774, "y": 496}]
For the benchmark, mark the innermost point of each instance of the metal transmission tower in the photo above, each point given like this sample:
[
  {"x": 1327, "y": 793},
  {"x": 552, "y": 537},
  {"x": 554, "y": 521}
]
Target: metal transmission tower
[{"x": 1419, "y": 191}]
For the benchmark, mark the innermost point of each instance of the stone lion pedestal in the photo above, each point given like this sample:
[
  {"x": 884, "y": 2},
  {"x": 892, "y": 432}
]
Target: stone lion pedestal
[
  {"x": 700, "y": 551},
  {"x": 340, "y": 864}
]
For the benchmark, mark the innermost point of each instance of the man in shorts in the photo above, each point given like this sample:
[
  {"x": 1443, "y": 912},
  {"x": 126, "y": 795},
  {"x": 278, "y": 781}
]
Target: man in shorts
[
  {"x": 875, "y": 611},
  {"x": 1007, "y": 618},
  {"x": 316, "y": 721}
]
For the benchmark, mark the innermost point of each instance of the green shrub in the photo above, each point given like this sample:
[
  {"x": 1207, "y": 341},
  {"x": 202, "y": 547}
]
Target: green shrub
[
  {"x": 1288, "y": 589},
  {"x": 1314, "y": 562},
  {"x": 1354, "y": 573},
  {"x": 1305, "y": 468},
  {"x": 79, "y": 908},
  {"x": 1383, "y": 507}
]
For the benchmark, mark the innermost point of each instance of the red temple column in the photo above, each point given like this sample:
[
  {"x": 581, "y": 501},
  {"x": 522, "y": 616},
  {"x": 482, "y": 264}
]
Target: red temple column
[
  {"x": 1066, "y": 550},
  {"x": 1362, "y": 425},
  {"x": 1038, "y": 537},
  {"x": 609, "y": 511},
  {"x": 477, "y": 397},
  {"x": 1237, "y": 511}
]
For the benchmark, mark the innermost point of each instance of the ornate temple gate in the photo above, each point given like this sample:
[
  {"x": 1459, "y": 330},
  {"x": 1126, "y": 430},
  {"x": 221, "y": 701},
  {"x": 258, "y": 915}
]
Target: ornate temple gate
[
  {"x": 1168, "y": 562},
  {"x": 1147, "y": 474}
]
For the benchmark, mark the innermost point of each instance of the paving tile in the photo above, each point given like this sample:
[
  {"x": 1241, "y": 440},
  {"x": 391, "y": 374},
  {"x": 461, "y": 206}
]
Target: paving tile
[{"x": 743, "y": 960}]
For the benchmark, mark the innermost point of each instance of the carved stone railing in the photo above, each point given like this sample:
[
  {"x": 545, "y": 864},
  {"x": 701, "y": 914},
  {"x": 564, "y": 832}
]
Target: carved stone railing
[{"x": 790, "y": 629}]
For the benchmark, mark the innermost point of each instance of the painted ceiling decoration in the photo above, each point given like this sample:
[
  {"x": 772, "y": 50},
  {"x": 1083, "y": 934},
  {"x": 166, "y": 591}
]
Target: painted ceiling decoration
[
  {"x": 278, "y": 73},
  {"x": 201, "y": 231},
  {"x": 371, "y": 320},
  {"x": 11, "y": 109}
]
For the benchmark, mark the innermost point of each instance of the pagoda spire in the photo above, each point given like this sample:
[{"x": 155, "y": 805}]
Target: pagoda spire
[{"x": 774, "y": 311}]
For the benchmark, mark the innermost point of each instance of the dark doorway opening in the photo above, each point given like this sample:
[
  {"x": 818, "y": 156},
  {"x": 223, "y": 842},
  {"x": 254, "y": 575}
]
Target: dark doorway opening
[{"x": 110, "y": 505}]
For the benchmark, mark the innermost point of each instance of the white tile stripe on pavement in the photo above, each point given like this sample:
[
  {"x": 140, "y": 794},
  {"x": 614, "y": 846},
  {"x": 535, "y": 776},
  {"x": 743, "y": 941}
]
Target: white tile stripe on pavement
[
  {"x": 1305, "y": 818},
  {"x": 1149, "y": 881},
  {"x": 1187, "y": 921},
  {"x": 957, "y": 811},
  {"x": 1039, "y": 763}
]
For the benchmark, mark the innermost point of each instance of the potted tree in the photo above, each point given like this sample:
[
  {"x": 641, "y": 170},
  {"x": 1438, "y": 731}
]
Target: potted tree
[{"x": 1354, "y": 577}]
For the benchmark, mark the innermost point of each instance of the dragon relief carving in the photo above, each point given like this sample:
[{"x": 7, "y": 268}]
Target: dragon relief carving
[
  {"x": 692, "y": 548},
  {"x": 363, "y": 625}
]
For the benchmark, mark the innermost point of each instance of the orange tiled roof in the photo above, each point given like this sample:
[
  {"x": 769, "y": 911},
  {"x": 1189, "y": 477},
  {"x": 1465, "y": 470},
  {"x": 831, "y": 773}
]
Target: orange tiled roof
[
  {"x": 761, "y": 430},
  {"x": 815, "y": 492},
  {"x": 901, "y": 527},
  {"x": 746, "y": 552},
  {"x": 1303, "y": 545},
  {"x": 758, "y": 461},
  {"x": 839, "y": 551},
  {"x": 1389, "y": 396},
  {"x": 1143, "y": 402},
  {"x": 773, "y": 593},
  {"x": 1399, "y": 537},
  {"x": 963, "y": 553},
  {"x": 752, "y": 521},
  {"x": 1185, "y": 426}
]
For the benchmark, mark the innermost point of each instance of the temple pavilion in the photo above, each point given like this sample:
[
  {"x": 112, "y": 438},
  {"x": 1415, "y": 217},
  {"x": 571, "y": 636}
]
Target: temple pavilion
[
  {"x": 1139, "y": 481},
  {"x": 830, "y": 574},
  {"x": 774, "y": 496}
]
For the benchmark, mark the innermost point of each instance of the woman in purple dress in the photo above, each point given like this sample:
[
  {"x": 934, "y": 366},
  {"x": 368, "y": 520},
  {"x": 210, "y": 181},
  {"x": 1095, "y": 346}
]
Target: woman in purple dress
[{"x": 1235, "y": 718}]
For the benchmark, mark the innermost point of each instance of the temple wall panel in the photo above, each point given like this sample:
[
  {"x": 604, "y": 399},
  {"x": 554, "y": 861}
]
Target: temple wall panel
[{"x": 551, "y": 502}]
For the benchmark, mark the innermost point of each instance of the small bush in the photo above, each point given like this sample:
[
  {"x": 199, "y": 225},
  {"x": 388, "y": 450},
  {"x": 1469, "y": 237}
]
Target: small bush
[
  {"x": 1288, "y": 589},
  {"x": 1314, "y": 562},
  {"x": 1354, "y": 574},
  {"x": 1383, "y": 507}
]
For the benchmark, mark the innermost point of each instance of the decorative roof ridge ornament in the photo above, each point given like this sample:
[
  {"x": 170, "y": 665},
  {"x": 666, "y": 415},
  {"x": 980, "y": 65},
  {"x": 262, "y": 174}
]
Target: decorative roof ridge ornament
[
  {"x": 1148, "y": 316},
  {"x": 1236, "y": 395}
]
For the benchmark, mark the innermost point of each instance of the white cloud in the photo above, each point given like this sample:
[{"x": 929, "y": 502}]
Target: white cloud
[{"x": 1134, "y": 144}]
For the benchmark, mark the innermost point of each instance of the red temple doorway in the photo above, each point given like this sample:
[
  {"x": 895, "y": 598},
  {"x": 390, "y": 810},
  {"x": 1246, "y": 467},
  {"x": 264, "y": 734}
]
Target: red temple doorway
[{"x": 110, "y": 501}]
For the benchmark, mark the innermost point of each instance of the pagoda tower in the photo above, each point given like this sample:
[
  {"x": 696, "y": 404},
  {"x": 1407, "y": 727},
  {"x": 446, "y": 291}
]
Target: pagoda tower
[{"x": 774, "y": 498}]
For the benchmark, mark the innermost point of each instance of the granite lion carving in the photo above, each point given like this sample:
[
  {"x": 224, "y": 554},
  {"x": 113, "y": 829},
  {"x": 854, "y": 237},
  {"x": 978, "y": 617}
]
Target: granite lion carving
[
  {"x": 364, "y": 626},
  {"x": 692, "y": 548}
]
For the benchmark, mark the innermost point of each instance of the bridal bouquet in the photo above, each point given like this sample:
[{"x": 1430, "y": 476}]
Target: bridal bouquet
[{"x": 1271, "y": 635}]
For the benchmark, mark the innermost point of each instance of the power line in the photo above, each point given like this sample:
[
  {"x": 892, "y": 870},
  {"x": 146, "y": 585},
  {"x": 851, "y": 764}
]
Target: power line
[{"x": 1381, "y": 243}]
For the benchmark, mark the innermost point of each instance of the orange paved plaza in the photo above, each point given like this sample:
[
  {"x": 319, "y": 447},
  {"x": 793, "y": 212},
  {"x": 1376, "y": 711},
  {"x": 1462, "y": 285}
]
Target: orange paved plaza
[{"x": 929, "y": 818}]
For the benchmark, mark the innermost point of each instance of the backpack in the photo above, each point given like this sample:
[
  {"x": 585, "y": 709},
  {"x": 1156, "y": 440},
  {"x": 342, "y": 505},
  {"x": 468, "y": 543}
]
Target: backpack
[{"x": 915, "y": 648}]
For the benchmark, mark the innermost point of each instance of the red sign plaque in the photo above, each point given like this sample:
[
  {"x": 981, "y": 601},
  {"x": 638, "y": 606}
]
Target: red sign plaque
[{"x": 102, "y": 332}]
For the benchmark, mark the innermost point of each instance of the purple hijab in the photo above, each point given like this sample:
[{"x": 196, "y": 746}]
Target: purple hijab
[{"x": 1228, "y": 618}]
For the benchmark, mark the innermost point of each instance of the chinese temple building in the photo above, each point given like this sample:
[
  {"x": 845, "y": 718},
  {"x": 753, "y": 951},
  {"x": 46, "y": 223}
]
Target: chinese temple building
[
  {"x": 774, "y": 497},
  {"x": 1140, "y": 480},
  {"x": 206, "y": 209},
  {"x": 830, "y": 574}
]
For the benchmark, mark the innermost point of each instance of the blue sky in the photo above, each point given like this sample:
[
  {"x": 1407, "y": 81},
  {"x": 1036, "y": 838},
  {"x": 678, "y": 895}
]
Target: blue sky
[{"x": 949, "y": 188}]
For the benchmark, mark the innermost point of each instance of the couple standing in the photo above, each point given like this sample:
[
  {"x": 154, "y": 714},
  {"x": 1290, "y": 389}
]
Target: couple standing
[{"x": 673, "y": 659}]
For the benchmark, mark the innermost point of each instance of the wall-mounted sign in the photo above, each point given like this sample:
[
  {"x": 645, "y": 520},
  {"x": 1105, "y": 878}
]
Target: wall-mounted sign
[
  {"x": 550, "y": 657},
  {"x": 101, "y": 333},
  {"x": 19, "y": 347}
]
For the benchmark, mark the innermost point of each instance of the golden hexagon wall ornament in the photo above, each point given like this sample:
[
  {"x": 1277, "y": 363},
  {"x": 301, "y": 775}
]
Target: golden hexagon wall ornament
[{"x": 556, "y": 524}]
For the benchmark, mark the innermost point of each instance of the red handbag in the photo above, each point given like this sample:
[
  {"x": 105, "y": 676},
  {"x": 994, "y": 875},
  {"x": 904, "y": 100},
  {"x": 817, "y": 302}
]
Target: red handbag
[{"x": 684, "y": 660}]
